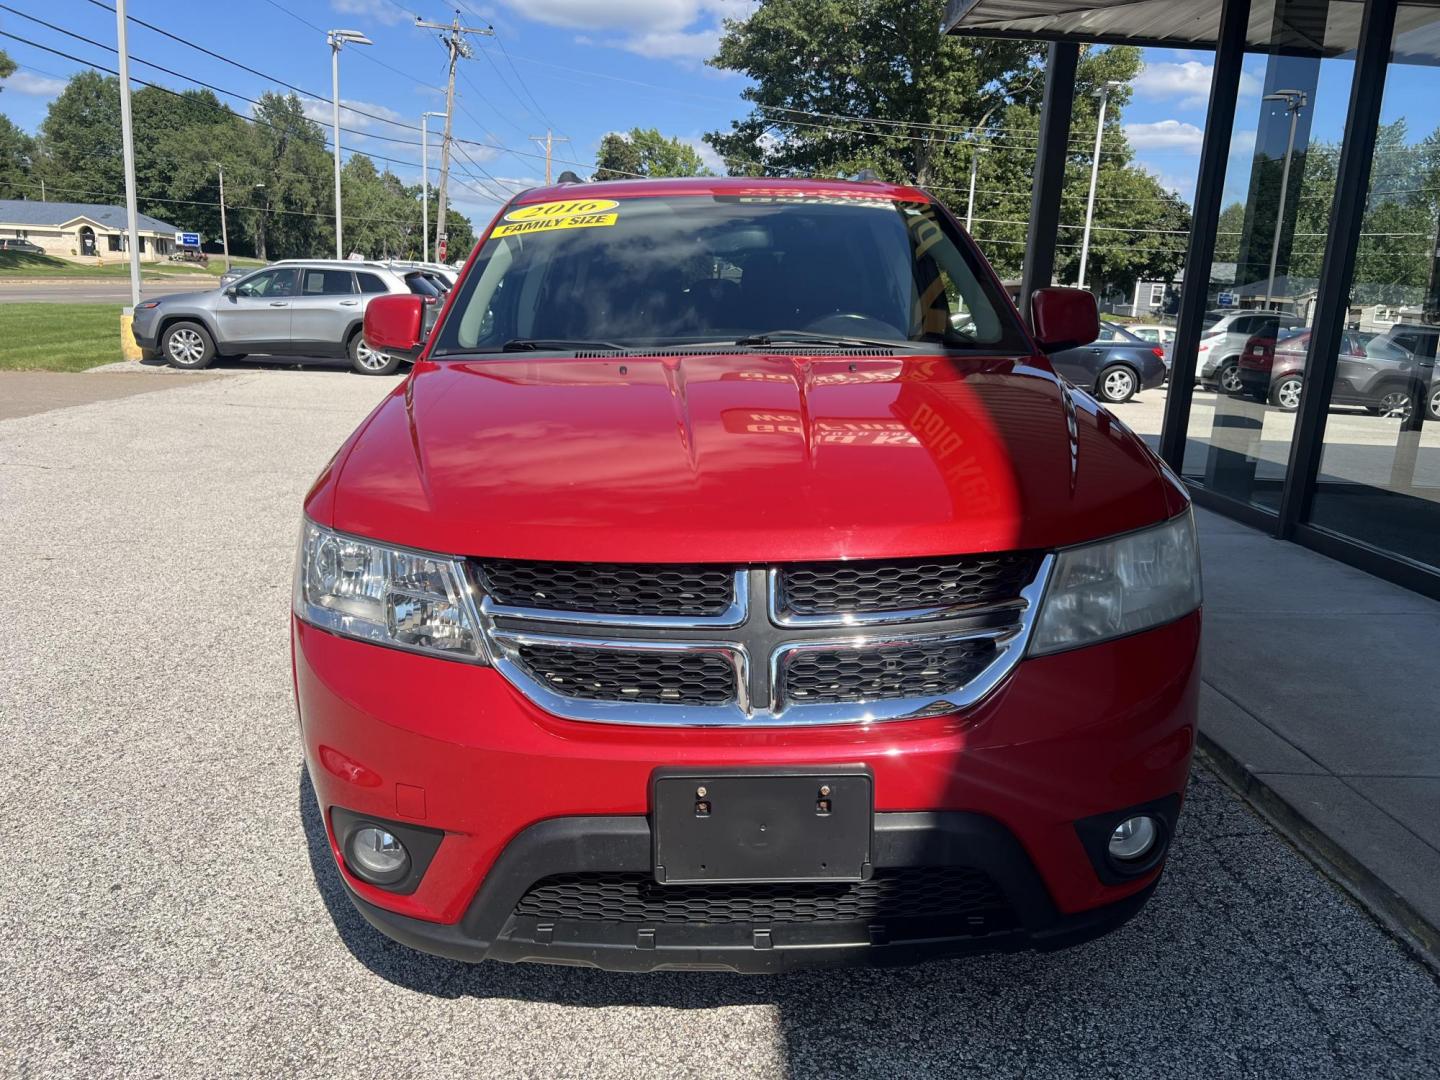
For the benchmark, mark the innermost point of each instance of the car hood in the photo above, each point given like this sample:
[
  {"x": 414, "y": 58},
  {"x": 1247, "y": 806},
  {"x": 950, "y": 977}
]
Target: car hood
[
  {"x": 188, "y": 297},
  {"x": 739, "y": 458}
]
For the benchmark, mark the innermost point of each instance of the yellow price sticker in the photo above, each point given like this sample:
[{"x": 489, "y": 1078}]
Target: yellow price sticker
[{"x": 570, "y": 214}]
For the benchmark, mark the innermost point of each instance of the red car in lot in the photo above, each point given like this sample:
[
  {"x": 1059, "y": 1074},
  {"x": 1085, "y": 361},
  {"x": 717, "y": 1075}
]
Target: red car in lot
[{"x": 733, "y": 583}]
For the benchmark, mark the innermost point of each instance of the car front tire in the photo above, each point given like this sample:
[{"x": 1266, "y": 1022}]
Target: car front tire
[
  {"x": 1117, "y": 384},
  {"x": 187, "y": 345},
  {"x": 1432, "y": 406},
  {"x": 1228, "y": 377}
]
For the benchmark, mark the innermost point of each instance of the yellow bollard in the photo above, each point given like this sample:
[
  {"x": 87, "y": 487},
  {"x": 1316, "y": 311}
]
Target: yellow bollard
[{"x": 129, "y": 350}]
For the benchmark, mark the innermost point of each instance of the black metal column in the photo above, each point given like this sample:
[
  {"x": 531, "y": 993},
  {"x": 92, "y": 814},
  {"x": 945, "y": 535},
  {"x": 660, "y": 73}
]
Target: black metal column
[
  {"x": 1352, "y": 185},
  {"x": 1209, "y": 185},
  {"x": 1049, "y": 182}
]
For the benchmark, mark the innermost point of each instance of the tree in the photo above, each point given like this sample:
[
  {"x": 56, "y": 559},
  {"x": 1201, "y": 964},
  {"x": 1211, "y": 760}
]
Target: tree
[
  {"x": 81, "y": 133},
  {"x": 1227, "y": 235},
  {"x": 839, "y": 88},
  {"x": 293, "y": 172},
  {"x": 7, "y": 66},
  {"x": 645, "y": 152},
  {"x": 17, "y": 158}
]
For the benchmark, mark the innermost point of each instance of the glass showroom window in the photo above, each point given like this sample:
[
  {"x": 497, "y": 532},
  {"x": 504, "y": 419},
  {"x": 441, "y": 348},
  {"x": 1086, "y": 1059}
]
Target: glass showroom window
[
  {"x": 1269, "y": 249},
  {"x": 1379, "y": 476}
]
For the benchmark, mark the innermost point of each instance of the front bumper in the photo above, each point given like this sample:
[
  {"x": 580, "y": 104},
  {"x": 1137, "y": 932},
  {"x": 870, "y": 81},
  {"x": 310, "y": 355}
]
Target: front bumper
[
  {"x": 451, "y": 746},
  {"x": 145, "y": 327},
  {"x": 505, "y": 922}
]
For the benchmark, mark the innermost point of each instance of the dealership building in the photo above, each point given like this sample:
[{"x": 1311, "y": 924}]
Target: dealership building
[{"x": 1354, "y": 472}]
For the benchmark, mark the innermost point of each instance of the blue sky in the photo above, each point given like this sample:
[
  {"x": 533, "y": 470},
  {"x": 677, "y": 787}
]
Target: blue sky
[{"x": 585, "y": 67}]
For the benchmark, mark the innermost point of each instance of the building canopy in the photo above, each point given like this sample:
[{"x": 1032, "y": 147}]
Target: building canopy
[{"x": 1303, "y": 28}]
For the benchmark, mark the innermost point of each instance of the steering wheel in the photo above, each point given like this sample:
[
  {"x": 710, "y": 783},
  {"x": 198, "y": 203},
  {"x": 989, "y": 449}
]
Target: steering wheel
[{"x": 855, "y": 324}]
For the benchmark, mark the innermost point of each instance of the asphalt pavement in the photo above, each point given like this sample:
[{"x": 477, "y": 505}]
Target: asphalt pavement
[
  {"x": 169, "y": 908},
  {"x": 96, "y": 290}
]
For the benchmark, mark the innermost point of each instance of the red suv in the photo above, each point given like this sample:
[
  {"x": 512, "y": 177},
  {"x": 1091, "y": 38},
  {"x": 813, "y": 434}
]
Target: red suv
[{"x": 733, "y": 583}]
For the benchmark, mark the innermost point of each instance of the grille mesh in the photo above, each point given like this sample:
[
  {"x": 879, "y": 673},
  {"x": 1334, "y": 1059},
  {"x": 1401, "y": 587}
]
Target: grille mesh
[
  {"x": 895, "y": 585},
  {"x": 647, "y": 677},
  {"x": 611, "y": 588},
  {"x": 910, "y": 893},
  {"x": 876, "y": 672}
]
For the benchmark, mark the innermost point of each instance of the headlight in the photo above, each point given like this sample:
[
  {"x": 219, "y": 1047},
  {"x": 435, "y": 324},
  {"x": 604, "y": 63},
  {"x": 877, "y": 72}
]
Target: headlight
[
  {"x": 393, "y": 596},
  {"x": 1116, "y": 587}
]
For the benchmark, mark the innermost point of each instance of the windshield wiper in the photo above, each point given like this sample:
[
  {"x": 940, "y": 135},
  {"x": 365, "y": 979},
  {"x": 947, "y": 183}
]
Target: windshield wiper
[
  {"x": 805, "y": 337},
  {"x": 528, "y": 344}
]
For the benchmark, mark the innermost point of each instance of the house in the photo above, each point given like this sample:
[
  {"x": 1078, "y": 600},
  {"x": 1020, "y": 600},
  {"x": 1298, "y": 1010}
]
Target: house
[
  {"x": 1152, "y": 299},
  {"x": 84, "y": 231}
]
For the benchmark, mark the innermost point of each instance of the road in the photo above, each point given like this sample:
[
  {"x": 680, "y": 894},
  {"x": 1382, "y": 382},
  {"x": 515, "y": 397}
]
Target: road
[
  {"x": 95, "y": 291},
  {"x": 170, "y": 909}
]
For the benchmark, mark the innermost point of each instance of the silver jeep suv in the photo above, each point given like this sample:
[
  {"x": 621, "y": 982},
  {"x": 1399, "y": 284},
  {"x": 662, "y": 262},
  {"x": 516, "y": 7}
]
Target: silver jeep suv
[{"x": 296, "y": 307}]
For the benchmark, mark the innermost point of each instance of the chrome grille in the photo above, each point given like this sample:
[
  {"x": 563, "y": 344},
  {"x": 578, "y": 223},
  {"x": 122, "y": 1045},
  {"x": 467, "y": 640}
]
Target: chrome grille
[
  {"x": 656, "y": 678},
  {"x": 746, "y": 657},
  {"x": 656, "y": 589},
  {"x": 876, "y": 673}
]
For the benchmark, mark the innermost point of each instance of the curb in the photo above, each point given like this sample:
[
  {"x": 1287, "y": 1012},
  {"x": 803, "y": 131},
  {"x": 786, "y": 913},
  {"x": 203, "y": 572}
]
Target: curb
[{"x": 1382, "y": 903}]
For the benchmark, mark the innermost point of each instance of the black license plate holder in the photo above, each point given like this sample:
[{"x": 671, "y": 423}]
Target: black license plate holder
[{"x": 735, "y": 826}]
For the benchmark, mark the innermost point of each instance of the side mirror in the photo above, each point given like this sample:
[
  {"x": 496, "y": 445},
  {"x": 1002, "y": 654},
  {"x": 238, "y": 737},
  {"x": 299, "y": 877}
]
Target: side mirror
[
  {"x": 394, "y": 325},
  {"x": 231, "y": 291},
  {"x": 1063, "y": 318}
]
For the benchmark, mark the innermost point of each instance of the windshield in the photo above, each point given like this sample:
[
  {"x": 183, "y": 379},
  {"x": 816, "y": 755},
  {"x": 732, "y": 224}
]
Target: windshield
[{"x": 717, "y": 269}]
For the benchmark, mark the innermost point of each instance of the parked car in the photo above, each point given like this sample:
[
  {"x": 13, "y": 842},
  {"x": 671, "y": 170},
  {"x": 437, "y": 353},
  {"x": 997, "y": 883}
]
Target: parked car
[
  {"x": 1224, "y": 340},
  {"x": 20, "y": 246},
  {"x": 296, "y": 307},
  {"x": 1373, "y": 372},
  {"x": 1115, "y": 366},
  {"x": 1154, "y": 333},
  {"x": 704, "y": 599}
]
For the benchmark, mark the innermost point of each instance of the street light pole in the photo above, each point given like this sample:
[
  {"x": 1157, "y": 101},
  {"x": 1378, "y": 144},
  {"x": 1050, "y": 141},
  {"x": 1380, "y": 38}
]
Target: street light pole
[
  {"x": 127, "y": 143},
  {"x": 1295, "y": 100},
  {"x": 224, "y": 232},
  {"x": 425, "y": 182},
  {"x": 338, "y": 39},
  {"x": 1104, "y": 95}
]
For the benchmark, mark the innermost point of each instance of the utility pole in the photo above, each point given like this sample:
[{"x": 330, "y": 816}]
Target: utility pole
[
  {"x": 127, "y": 143},
  {"x": 453, "y": 38},
  {"x": 338, "y": 39},
  {"x": 425, "y": 183},
  {"x": 1094, "y": 176},
  {"x": 224, "y": 232},
  {"x": 548, "y": 140}
]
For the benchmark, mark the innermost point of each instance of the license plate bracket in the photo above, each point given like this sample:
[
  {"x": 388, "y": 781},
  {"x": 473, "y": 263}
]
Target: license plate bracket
[{"x": 735, "y": 826}]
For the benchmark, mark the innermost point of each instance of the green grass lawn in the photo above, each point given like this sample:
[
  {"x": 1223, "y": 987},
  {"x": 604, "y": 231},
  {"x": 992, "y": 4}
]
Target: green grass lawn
[
  {"x": 58, "y": 337},
  {"x": 15, "y": 264}
]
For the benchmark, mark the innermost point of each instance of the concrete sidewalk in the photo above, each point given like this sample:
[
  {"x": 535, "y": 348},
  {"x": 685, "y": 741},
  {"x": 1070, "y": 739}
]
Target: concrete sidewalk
[{"x": 1321, "y": 704}]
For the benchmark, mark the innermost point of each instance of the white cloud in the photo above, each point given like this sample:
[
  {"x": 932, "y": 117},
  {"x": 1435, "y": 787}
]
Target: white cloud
[
  {"x": 1184, "y": 186},
  {"x": 1188, "y": 81},
  {"x": 28, "y": 82},
  {"x": 683, "y": 30},
  {"x": 674, "y": 44},
  {"x": 382, "y": 11},
  {"x": 322, "y": 113},
  {"x": 1243, "y": 142},
  {"x": 708, "y": 154},
  {"x": 1165, "y": 135}
]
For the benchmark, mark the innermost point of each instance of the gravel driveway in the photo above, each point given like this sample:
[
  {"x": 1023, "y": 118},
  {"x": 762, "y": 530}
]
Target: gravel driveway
[{"x": 160, "y": 914}]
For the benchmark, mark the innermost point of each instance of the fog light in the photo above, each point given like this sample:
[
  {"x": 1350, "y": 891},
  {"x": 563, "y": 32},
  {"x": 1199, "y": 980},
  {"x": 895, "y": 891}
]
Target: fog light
[
  {"x": 1133, "y": 838},
  {"x": 376, "y": 855}
]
